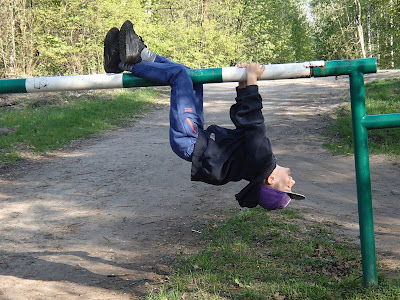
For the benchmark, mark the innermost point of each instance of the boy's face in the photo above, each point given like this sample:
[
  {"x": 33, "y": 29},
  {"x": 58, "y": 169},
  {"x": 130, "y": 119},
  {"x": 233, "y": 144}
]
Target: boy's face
[{"x": 281, "y": 179}]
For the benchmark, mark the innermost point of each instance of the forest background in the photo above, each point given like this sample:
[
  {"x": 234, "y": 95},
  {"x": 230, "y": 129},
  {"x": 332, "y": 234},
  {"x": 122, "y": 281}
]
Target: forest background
[{"x": 57, "y": 37}]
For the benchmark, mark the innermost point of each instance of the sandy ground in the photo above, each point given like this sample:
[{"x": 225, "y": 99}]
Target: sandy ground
[{"x": 101, "y": 220}]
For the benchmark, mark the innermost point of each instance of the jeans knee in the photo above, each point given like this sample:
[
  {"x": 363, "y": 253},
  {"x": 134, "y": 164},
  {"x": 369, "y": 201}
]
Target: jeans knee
[
  {"x": 180, "y": 71},
  {"x": 183, "y": 147}
]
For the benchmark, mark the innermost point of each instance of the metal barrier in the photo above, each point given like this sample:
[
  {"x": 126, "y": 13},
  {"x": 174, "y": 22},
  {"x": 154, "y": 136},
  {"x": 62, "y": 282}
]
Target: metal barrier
[{"x": 361, "y": 122}]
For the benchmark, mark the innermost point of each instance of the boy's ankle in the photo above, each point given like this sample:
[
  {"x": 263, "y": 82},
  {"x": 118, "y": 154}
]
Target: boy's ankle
[{"x": 148, "y": 55}]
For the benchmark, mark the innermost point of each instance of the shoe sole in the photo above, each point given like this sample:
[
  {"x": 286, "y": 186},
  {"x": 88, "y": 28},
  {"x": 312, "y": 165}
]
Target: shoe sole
[
  {"x": 130, "y": 44},
  {"x": 111, "y": 51}
]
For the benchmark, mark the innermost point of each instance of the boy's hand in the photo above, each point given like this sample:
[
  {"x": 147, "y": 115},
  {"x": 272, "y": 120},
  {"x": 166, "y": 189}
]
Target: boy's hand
[{"x": 253, "y": 71}]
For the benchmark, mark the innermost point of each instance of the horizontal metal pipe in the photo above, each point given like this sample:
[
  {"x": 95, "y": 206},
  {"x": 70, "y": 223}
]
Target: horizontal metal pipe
[
  {"x": 381, "y": 121},
  {"x": 212, "y": 75},
  {"x": 346, "y": 67}
]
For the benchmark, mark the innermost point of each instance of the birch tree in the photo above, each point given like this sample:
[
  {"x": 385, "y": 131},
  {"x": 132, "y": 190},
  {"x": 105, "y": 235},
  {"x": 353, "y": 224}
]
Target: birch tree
[
  {"x": 357, "y": 15},
  {"x": 338, "y": 37},
  {"x": 17, "y": 50}
]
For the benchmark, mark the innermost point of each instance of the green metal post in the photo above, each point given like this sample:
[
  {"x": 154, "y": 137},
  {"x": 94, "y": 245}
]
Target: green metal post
[{"x": 364, "y": 195}]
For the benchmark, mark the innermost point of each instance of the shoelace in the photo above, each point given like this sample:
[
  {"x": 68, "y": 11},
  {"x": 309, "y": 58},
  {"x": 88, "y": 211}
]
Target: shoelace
[{"x": 142, "y": 40}]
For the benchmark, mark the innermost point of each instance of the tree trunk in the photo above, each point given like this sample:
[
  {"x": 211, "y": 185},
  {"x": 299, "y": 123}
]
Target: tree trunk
[
  {"x": 369, "y": 29},
  {"x": 391, "y": 32},
  {"x": 357, "y": 12}
]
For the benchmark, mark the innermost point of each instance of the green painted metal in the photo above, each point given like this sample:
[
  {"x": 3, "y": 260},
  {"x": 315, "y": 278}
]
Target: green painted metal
[
  {"x": 129, "y": 81},
  {"x": 381, "y": 121},
  {"x": 12, "y": 86},
  {"x": 212, "y": 75},
  {"x": 364, "y": 194},
  {"x": 361, "y": 124},
  {"x": 346, "y": 67}
]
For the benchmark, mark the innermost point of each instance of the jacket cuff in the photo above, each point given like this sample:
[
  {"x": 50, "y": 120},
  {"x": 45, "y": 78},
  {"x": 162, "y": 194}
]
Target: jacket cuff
[{"x": 250, "y": 89}]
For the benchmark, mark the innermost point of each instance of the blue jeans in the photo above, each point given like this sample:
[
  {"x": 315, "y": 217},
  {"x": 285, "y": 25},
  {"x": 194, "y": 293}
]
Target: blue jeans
[{"x": 186, "y": 110}]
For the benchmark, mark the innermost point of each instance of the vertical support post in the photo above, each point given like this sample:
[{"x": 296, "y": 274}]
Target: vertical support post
[{"x": 364, "y": 194}]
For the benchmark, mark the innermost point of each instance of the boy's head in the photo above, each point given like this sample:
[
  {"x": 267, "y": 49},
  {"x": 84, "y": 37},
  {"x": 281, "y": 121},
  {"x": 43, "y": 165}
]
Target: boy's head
[
  {"x": 276, "y": 189},
  {"x": 280, "y": 179}
]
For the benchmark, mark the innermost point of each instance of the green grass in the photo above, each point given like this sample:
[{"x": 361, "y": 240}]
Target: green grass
[
  {"x": 262, "y": 255},
  {"x": 382, "y": 97},
  {"x": 37, "y": 128}
]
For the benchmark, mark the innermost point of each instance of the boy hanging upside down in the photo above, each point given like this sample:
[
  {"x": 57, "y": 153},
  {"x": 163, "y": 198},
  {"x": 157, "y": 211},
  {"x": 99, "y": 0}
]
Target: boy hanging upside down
[{"x": 218, "y": 155}]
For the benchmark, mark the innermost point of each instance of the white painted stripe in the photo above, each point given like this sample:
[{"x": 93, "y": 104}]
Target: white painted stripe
[
  {"x": 275, "y": 71},
  {"x": 73, "y": 83},
  {"x": 230, "y": 74}
]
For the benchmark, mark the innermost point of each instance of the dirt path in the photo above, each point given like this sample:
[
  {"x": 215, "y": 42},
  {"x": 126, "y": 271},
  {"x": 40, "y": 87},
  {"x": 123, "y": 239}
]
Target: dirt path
[{"x": 101, "y": 221}]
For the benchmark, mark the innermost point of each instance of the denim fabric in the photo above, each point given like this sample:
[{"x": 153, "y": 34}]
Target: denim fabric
[{"x": 186, "y": 110}]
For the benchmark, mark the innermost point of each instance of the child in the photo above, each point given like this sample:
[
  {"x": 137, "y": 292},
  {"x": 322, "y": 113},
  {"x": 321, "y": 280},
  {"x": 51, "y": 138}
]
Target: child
[{"x": 218, "y": 155}]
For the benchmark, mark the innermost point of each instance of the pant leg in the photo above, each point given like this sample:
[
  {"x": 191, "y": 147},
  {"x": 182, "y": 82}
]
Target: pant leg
[
  {"x": 198, "y": 94},
  {"x": 197, "y": 88},
  {"x": 162, "y": 59},
  {"x": 186, "y": 110}
]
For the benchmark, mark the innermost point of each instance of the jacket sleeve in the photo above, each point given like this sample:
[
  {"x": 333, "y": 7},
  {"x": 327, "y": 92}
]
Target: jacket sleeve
[{"x": 246, "y": 114}]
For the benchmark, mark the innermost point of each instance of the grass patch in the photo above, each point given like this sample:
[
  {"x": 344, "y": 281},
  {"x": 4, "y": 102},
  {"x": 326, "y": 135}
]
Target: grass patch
[
  {"x": 39, "y": 127},
  {"x": 262, "y": 255},
  {"x": 382, "y": 97}
]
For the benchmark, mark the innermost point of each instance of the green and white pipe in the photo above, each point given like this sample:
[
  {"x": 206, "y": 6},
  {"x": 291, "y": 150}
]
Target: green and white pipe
[
  {"x": 213, "y": 75},
  {"x": 126, "y": 80}
]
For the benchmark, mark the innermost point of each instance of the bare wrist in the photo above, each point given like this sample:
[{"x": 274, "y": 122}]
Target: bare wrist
[{"x": 251, "y": 79}]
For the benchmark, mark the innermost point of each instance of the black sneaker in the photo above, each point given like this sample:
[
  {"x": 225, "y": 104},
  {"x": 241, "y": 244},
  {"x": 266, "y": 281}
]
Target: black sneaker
[
  {"x": 111, "y": 51},
  {"x": 130, "y": 44}
]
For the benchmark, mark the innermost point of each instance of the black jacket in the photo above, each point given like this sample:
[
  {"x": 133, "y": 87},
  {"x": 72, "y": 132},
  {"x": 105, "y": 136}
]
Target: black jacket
[{"x": 222, "y": 155}]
